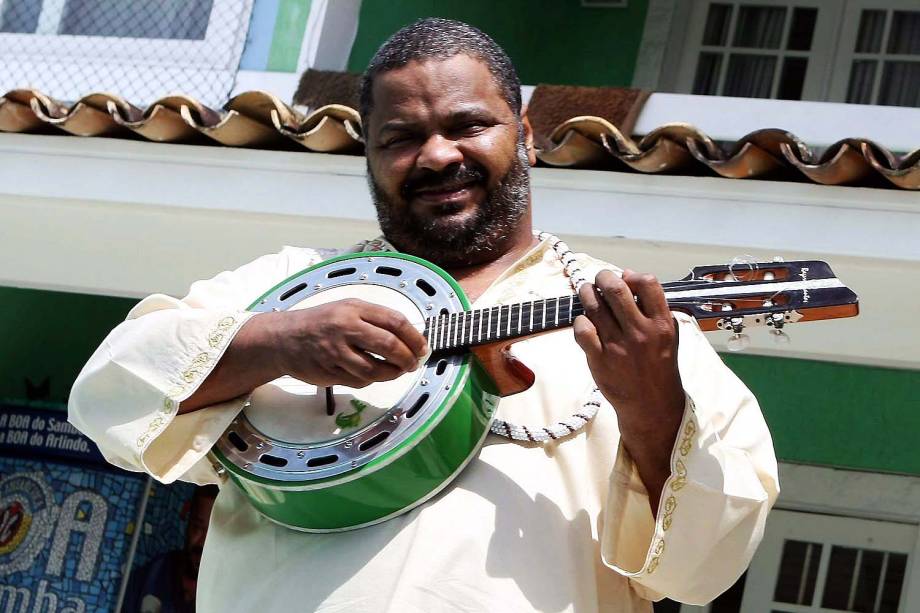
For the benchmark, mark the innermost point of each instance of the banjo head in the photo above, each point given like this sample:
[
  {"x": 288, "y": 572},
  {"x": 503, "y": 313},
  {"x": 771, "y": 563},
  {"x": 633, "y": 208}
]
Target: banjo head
[{"x": 285, "y": 434}]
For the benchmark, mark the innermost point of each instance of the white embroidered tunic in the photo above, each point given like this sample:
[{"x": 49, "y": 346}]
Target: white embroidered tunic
[{"x": 559, "y": 526}]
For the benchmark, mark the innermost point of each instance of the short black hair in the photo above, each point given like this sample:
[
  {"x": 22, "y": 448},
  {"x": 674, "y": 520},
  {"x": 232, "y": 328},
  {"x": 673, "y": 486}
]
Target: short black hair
[{"x": 434, "y": 38}]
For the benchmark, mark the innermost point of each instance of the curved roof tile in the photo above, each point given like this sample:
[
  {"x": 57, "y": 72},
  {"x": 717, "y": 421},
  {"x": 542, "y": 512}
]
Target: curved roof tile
[{"x": 260, "y": 120}]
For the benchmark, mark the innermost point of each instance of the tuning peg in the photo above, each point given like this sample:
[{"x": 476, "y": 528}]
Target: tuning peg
[
  {"x": 738, "y": 342},
  {"x": 780, "y": 337}
]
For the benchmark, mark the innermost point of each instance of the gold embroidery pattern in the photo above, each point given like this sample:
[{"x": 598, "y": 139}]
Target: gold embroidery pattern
[
  {"x": 216, "y": 340},
  {"x": 677, "y": 483}
]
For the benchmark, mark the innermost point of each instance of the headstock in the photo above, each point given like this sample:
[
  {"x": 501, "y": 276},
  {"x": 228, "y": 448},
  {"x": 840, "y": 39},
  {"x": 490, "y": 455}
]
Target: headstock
[{"x": 737, "y": 296}]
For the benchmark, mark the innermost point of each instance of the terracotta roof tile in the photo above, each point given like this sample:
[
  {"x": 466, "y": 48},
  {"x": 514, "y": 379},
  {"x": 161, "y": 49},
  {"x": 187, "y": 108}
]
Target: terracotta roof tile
[{"x": 260, "y": 120}]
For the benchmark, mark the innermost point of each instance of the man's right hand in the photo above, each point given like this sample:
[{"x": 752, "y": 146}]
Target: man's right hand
[
  {"x": 336, "y": 344},
  {"x": 330, "y": 344}
]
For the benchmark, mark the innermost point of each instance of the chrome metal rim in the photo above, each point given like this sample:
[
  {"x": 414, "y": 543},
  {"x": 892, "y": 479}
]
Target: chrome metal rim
[{"x": 263, "y": 456}]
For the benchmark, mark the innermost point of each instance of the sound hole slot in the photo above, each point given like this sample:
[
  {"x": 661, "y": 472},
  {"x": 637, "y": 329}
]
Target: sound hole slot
[
  {"x": 425, "y": 287},
  {"x": 389, "y": 270},
  {"x": 322, "y": 460},
  {"x": 442, "y": 366},
  {"x": 341, "y": 272},
  {"x": 294, "y": 290},
  {"x": 418, "y": 405},
  {"x": 373, "y": 441},
  {"x": 273, "y": 460},
  {"x": 237, "y": 442}
]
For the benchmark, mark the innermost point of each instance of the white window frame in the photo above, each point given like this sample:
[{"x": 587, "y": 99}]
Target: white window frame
[
  {"x": 820, "y": 56},
  {"x": 827, "y": 530},
  {"x": 847, "y": 42},
  {"x": 45, "y": 52},
  {"x": 836, "y": 507}
]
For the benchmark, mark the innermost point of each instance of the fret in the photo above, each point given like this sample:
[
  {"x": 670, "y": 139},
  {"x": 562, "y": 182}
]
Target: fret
[
  {"x": 531, "y": 314},
  {"x": 544, "y": 315},
  {"x": 455, "y": 317},
  {"x": 508, "y": 333},
  {"x": 571, "y": 298},
  {"x": 556, "y": 314},
  {"x": 450, "y": 324},
  {"x": 479, "y": 338},
  {"x": 432, "y": 334},
  {"x": 462, "y": 326},
  {"x": 489, "y": 325},
  {"x": 520, "y": 316}
]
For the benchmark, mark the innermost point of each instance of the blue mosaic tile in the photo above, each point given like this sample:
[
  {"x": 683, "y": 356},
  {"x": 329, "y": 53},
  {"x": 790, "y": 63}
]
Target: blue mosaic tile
[{"x": 67, "y": 531}]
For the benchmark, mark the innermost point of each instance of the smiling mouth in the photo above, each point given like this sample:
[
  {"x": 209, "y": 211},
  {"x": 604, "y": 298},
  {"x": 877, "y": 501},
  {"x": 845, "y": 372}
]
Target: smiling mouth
[{"x": 445, "y": 193}]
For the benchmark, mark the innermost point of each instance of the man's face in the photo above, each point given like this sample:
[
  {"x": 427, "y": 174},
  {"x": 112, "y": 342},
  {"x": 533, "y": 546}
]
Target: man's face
[{"x": 447, "y": 160}]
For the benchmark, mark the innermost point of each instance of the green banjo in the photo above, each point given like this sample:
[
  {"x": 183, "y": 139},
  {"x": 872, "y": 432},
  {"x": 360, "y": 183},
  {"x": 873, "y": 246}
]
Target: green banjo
[{"x": 330, "y": 459}]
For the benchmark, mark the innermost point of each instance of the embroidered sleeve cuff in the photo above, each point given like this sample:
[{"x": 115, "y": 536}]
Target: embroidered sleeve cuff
[
  {"x": 172, "y": 445},
  {"x": 709, "y": 520},
  {"x": 633, "y": 542}
]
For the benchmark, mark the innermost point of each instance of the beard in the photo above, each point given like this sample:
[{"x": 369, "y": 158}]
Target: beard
[{"x": 443, "y": 239}]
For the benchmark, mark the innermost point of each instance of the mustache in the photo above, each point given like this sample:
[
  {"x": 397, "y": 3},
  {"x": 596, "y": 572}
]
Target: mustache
[{"x": 451, "y": 177}]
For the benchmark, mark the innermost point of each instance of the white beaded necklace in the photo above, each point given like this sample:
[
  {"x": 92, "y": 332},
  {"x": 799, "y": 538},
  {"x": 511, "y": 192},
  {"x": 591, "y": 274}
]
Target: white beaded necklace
[
  {"x": 578, "y": 420},
  {"x": 565, "y": 427}
]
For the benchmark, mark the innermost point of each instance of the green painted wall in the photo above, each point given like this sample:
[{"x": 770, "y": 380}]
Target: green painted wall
[
  {"x": 821, "y": 413},
  {"x": 550, "y": 41},
  {"x": 836, "y": 414},
  {"x": 288, "y": 35},
  {"x": 51, "y": 335}
]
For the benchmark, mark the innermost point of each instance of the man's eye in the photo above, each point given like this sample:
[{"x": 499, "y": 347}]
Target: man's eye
[
  {"x": 473, "y": 127},
  {"x": 397, "y": 141}
]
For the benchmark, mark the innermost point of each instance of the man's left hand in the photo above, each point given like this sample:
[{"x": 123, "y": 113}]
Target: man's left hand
[{"x": 631, "y": 347}]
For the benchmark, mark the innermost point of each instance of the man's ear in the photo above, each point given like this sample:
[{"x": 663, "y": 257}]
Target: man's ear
[{"x": 528, "y": 137}]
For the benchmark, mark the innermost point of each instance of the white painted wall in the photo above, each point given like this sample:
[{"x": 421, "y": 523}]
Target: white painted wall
[{"x": 126, "y": 218}]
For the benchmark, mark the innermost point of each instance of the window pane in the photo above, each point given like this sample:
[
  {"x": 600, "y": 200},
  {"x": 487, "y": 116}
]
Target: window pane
[
  {"x": 839, "y": 578},
  {"x": 893, "y": 581},
  {"x": 862, "y": 78},
  {"x": 870, "y": 571},
  {"x": 900, "y": 84},
  {"x": 802, "y": 29},
  {"x": 716, "y": 31},
  {"x": 20, "y": 16},
  {"x": 792, "y": 78},
  {"x": 707, "y": 74},
  {"x": 905, "y": 33},
  {"x": 871, "y": 27},
  {"x": 749, "y": 76},
  {"x": 798, "y": 568},
  {"x": 170, "y": 19},
  {"x": 760, "y": 27}
]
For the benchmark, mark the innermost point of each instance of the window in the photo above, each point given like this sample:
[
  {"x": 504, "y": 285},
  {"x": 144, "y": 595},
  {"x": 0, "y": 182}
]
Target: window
[
  {"x": 786, "y": 49},
  {"x": 141, "y": 50},
  {"x": 760, "y": 49},
  {"x": 879, "y": 56},
  {"x": 814, "y": 562}
]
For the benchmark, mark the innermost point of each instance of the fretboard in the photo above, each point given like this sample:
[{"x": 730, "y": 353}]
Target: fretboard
[
  {"x": 454, "y": 331},
  {"x": 468, "y": 328}
]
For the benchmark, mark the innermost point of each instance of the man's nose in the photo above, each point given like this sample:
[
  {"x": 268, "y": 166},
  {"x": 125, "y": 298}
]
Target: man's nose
[{"x": 438, "y": 153}]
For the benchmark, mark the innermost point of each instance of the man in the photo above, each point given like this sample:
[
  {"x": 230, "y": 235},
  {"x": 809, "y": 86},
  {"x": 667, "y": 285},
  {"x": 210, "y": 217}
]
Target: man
[{"x": 663, "y": 493}]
